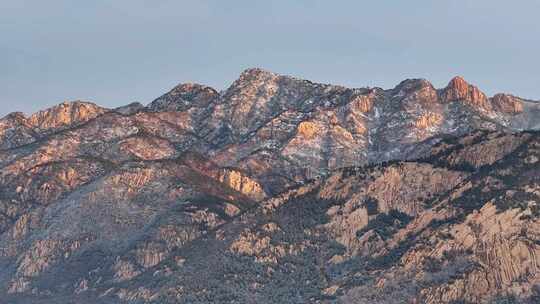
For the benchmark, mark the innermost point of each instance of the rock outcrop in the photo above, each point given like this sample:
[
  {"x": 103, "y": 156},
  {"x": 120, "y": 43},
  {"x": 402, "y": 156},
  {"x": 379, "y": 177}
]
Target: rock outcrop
[
  {"x": 183, "y": 97},
  {"x": 459, "y": 90},
  {"x": 507, "y": 103}
]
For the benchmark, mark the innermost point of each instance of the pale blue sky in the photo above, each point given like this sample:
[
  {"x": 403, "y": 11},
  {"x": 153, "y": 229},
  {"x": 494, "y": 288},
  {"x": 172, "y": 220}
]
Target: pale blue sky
[{"x": 116, "y": 52}]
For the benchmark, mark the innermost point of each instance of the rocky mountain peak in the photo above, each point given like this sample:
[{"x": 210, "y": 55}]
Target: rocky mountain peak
[
  {"x": 252, "y": 81},
  {"x": 16, "y": 129},
  {"x": 184, "y": 96},
  {"x": 193, "y": 91},
  {"x": 14, "y": 116},
  {"x": 413, "y": 84},
  {"x": 507, "y": 103},
  {"x": 250, "y": 73},
  {"x": 65, "y": 114},
  {"x": 417, "y": 90},
  {"x": 460, "y": 90},
  {"x": 458, "y": 81}
]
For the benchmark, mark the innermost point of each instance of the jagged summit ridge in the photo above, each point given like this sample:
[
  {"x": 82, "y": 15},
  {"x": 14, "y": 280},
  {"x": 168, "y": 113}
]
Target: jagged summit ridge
[
  {"x": 187, "y": 94},
  {"x": 268, "y": 123},
  {"x": 65, "y": 114}
]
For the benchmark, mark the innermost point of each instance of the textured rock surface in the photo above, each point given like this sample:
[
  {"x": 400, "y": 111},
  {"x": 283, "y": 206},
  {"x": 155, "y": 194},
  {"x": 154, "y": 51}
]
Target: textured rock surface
[
  {"x": 183, "y": 97},
  {"x": 276, "y": 190}
]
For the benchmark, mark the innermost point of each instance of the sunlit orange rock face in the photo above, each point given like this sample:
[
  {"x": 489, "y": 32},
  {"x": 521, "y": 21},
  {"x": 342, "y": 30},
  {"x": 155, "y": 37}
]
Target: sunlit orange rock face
[
  {"x": 65, "y": 114},
  {"x": 428, "y": 120},
  {"x": 307, "y": 130},
  {"x": 274, "y": 190},
  {"x": 459, "y": 90},
  {"x": 362, "y": 104}
]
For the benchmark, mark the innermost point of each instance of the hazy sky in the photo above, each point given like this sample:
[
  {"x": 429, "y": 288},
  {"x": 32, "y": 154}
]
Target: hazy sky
[{"x": 115, "y": 52}]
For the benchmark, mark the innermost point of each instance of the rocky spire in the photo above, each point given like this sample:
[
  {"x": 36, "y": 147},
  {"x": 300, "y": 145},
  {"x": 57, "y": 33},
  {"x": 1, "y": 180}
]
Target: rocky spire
[
  {"x": 252, "y": 81},
  {"x": 460, "y": 90}
]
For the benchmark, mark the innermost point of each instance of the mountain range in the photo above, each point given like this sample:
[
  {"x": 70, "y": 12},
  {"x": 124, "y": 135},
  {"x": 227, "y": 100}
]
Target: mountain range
[{"x": 275, "y": 190}]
